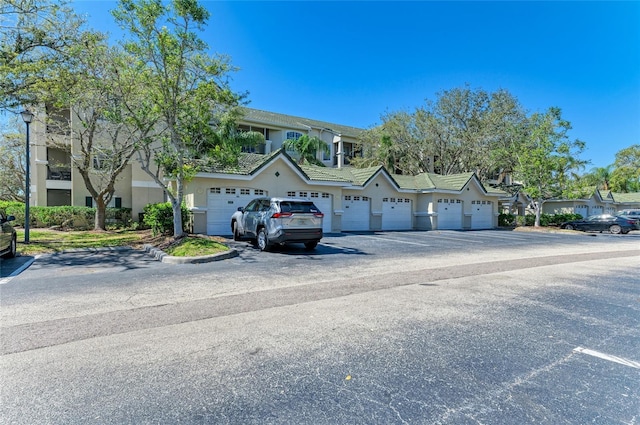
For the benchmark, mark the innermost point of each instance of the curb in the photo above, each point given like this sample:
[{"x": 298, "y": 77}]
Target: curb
[{"x": 163, "y": 257}]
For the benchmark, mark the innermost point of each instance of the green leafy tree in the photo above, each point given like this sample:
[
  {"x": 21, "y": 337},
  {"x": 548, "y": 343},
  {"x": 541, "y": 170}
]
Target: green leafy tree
[
  {"x": 462, "y": 130},
  {"x": 92, "y": 88},
  {"x": 626, "y": 174},
  {"x": 599, "y": 177},
  {"x": 545, "y": 158},
  {"x": 186, "y": 89},
  {"x": 226, "y": 141},
  {"x": 12, "y": 162},
  {"x": 36, "y": 37},
  {"x": 307, "y": 148}
]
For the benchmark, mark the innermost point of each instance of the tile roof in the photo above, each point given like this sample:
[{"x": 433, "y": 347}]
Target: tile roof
[
  {"x": 293, "y": 122},
  {"x": 249, "y": 163},
  {"x": 626, "y": 197},
  {"x": 356, "y": 176}
]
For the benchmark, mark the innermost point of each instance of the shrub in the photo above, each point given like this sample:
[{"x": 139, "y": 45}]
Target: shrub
[
  {"x": 160, "y": 218},
  {"x": 506, "y": 220},
  {"x": 547, "y": 219},
  {"x": 67, "y": 217}
]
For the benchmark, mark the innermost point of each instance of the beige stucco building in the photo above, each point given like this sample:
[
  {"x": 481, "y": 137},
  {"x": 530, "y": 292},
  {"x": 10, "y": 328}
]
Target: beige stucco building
[{"x": 352, "y": 199}]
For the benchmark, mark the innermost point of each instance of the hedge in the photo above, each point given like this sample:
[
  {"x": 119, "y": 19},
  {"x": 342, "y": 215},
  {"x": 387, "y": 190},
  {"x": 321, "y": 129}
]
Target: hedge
[
  {"x": 546, "y": 220},
  {"x": 160, "y": 218},
  {"x": 66, "y": 217}
]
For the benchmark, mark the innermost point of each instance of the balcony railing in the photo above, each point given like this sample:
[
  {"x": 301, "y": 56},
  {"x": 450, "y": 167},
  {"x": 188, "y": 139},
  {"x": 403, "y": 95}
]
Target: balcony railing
[{"x": 59, "y": 174}]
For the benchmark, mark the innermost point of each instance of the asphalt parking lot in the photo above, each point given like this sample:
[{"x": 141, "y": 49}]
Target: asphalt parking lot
[
  {"x": 358, "y": 250},
  {"x": 388, "y": 327}
]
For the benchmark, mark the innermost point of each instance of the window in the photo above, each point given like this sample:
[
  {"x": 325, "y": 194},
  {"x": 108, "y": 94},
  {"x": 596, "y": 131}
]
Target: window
[
  {"x": 347, "y": 198},
  {"x": 314, "y": 194},
  {"x": 99, "y": 161},
  {"x": 252, "y": 206},
  {"x": 325, "y": 195},
  {"x": 303, "y": 194},
  {"x": 293, "y": 135},
  {"x": 298, "y": 207},
  {"x": 258, "y": 192},
  {"x": 230, "y": 191},
  {"x": 214, "y": 190},
  {"x": 291, "y": 194},
  {"x": 88, "y": 201},
  {"x": 118, "y": 202},
  {"x": 245, "y": 192}
]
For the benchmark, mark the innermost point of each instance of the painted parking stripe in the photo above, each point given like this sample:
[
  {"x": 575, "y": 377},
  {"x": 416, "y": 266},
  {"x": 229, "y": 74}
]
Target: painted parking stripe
[
  {"x": 396, "y": 240},
  {"x": 608, "y": 357},
  {"x": 450, "y": 236},
  {"x": 16, "y": 272}
]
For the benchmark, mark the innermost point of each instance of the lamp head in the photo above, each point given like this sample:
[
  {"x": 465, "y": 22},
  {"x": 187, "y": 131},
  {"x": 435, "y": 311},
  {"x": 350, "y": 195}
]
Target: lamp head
[{"x": 27, "y": 116}]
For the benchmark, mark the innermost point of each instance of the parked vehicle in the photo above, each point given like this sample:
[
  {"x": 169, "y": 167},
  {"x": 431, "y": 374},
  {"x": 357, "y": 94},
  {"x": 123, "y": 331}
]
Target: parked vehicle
[
  {"x": 632, "y": 214},
  {"x": 7, "y": 237},
  {"x": 270, "y": 221},
  {"x": 601, "y": 223}
]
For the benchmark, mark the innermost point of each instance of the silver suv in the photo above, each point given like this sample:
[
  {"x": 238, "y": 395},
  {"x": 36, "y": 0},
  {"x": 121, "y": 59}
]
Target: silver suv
[
  {"x": 632, "y": 214},
  {"x": 270, "y": 221}
]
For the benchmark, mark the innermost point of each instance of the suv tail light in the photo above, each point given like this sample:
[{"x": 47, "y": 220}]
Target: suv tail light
[
  {"x": 319, "y": 214},
  {"x": 281, "y": 215}
]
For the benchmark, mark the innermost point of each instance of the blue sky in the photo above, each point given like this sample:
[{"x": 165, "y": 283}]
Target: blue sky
[{"x": 350, "y": 62}]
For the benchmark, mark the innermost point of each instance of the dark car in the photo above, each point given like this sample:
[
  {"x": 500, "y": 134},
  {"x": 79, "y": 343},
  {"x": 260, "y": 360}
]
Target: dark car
[
  {"x": 602, "y": 223},
  {"x": 7, "y": 237}
]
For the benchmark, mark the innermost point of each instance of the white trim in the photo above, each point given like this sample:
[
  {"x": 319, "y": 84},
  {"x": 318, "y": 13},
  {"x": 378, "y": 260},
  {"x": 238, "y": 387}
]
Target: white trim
[
  {"x": 145, "y": 183},
  {"x": 55, "y": 184}
]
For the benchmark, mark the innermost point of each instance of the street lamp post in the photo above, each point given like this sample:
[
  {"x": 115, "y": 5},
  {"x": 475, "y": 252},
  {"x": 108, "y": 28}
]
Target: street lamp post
[{"x": 27, "y": 117}]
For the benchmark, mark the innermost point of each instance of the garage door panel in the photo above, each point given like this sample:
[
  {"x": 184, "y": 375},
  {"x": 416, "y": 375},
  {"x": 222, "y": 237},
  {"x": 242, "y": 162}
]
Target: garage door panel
[
  {"x": 481, "y": 214},
  {"x": 397, "y": 214},
  {"x": 449, "y": 214},
  {"x": 322, "y": 200},
  {"x": 356, "y": 215},
  {"x": 222, "y": 202}
]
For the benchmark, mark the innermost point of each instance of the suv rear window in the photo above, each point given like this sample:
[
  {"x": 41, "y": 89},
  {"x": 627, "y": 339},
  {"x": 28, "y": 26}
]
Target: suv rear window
[{"x": 298, "y": 207}]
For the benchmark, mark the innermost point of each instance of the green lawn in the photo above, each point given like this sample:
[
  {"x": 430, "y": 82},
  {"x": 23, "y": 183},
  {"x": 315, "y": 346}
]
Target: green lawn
[{"x": 48, "y": 241}]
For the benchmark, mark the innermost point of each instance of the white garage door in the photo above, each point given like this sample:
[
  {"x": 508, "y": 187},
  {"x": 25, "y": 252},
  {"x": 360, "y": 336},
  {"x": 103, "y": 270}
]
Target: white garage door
[
  {"x": 321, "y": 200},
  {"x": 583, "y": 210},
  {"x": 396, "y": 214},
  {"x": 596, "y": 210},
  {"x": 356, "y": 213},
  {"x": 481, "y": 214},
  {"x": 449, "y": 214},
  {"x": 222, "y": 202}
]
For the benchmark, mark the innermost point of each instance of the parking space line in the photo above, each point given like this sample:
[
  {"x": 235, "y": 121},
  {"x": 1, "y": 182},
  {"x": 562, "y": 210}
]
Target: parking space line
[
  {"x": 452, "y": 237},
  {"x": 615, "y": 359},
  {"x": 396, "y": 240},
  {"x": 16, "y": 272},
  {"x": 494, "y": 235}
]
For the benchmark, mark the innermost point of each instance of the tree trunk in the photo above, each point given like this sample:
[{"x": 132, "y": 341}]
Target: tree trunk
[
  {"x": 177, "y": 219},
  {"x": 538, "y": 209},
  {"x": 101, "y": 213}
]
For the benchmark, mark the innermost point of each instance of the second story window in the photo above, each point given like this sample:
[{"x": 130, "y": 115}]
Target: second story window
[{"x": 293, "y": 135}]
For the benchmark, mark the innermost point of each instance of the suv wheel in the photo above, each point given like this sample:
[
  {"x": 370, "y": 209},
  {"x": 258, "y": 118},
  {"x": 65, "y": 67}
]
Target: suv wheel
[
  {"x": 236, "y": 235},
  {"x": 311, "y": 245},
  {"x": 263, "y": 241}
]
